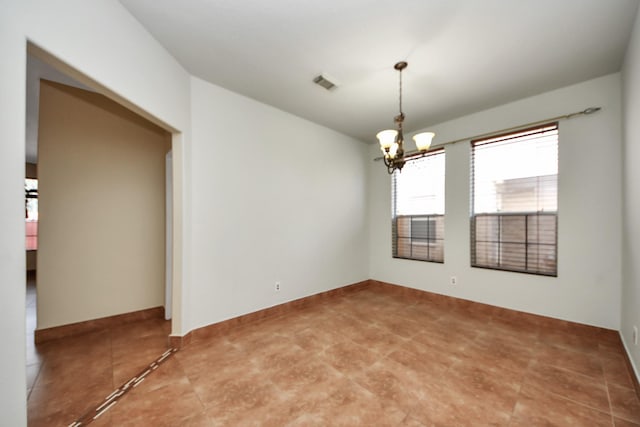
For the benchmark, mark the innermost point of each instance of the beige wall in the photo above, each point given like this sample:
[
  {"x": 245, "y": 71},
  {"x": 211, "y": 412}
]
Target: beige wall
[{"x": 102, "y": 190}]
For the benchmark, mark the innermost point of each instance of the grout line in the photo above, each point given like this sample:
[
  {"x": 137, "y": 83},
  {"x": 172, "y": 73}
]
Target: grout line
[
  {"x": 634, "y": 373},
  {"x": 35, "y": 380},
  {"x": 512, "y": 417},
  {"x": 581, "y": 403},
  {"x": 117, "y": 394},
  {"x": 574, "y": 372},
  {"x": 606, "y": 383},
  {"x": 195, "y": 391},
  {"x": 563, "y": 397}
]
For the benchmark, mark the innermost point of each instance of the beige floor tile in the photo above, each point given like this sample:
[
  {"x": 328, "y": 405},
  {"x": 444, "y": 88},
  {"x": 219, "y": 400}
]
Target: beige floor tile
[
  {"x": 537, "y": 408},
  {"x": 625, "y": 403},
  {"x": 569, "y": 385}
]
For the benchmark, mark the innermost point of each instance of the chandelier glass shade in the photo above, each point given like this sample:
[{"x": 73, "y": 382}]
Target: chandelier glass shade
[{"x": 392, "y": 140}]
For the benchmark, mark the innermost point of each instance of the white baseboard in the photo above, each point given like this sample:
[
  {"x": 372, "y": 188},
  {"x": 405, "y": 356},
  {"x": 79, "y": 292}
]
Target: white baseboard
[{"x": 633, "y": 365}]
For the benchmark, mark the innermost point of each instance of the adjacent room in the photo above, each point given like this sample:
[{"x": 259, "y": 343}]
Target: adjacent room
[{"x": 415, "y": 213}]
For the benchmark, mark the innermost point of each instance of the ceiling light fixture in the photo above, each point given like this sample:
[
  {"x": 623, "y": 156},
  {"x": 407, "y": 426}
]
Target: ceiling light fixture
[{"x": 392, "y": 140}]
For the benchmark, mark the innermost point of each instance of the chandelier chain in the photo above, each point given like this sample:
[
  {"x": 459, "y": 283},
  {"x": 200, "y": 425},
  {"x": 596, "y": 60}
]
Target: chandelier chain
[{"x": 400, "y": 97}]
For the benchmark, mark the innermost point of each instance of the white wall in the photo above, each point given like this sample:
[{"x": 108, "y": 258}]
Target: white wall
[
  {"x": 275, "y": 198},
  {"x": 587, "y": 288},
  {"x": 101, "y": 40},
  {"x": 631, "y": 206}
]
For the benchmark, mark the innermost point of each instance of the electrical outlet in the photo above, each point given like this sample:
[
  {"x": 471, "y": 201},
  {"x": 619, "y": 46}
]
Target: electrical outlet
[
  {"x": 277, "y": 288},
  {"x": 635, "y": 335},
  {"x": 453, "y": 280}
]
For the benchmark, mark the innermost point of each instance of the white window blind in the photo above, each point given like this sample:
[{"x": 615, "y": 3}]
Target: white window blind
[
  {"x": 418, "y": 209},
  {"x": 515, "y": 201}
]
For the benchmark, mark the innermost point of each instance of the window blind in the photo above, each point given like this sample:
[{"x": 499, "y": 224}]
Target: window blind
[
  {"x": 418, "y": 209},
  {"x": 515, "y": 200}
]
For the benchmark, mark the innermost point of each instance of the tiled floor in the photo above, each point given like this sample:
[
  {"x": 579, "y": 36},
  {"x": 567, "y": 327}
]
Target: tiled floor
[
  {"x": 33, "y": 359},
  {"x": 368, "y": 358}
]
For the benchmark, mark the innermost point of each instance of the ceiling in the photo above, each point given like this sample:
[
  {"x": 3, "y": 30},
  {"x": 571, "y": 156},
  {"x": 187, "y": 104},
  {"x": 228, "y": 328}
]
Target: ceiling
[{"x": 463, "y": 55}]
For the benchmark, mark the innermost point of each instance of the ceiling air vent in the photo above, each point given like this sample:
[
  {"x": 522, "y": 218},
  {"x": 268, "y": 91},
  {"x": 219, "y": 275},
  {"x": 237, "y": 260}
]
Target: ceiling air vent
[{"x": 325, "y": 81}]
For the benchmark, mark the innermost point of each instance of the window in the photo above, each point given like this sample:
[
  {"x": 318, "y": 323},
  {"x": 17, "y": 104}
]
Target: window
[
  {"x": 418, "y": 209},
  {"x": 515, "y": 201},
  {"x": 31, "y": 213}
]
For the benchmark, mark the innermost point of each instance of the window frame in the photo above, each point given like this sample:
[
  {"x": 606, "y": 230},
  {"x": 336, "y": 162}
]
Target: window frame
[
  {"x": 528, "y": 242},
  {"x": 433, "y": 241}
]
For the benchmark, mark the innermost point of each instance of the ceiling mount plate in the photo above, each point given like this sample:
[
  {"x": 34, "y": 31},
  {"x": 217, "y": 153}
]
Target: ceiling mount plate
[{"x": 400, "y": 66}]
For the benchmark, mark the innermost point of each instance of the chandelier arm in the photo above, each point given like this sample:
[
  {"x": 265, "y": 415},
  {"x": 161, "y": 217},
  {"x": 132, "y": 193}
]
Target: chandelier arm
[
  {"x": 387, "y": 162},
  {"x": 390, "y": 164}
]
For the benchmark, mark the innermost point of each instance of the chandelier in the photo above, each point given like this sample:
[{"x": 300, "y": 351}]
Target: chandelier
[{"x": 392, "y": 140}]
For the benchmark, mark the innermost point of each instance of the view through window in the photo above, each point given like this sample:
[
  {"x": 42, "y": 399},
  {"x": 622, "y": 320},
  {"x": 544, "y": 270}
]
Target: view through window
[
  {"x": 418, "y": 209},
  {"x": 515, "y": 201}
]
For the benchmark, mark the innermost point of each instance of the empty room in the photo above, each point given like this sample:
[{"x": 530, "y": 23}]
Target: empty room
[{"x": 356, "y": 213}]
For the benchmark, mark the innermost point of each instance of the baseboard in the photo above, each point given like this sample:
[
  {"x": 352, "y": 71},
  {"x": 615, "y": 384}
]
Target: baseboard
[
  {"x": 79, "y": 328},
  {"x": 216, "y": 329},
  {"x": 513, "y": 316},
  {"x": 180, "y": 341},
  {"x": 633, "y": 370},
  {"x": 508, "y": 315}
]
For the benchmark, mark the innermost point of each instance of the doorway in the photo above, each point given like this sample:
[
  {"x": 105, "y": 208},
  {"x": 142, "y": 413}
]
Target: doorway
[
  {"x": 37, "y": 68},
  {"x": 102, "y": 196}
]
